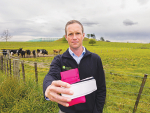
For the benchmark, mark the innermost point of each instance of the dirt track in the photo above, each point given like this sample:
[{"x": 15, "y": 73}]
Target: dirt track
[{"x": 31, "y": 56}]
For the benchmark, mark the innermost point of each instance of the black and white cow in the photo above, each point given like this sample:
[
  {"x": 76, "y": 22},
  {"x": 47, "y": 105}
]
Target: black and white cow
[
  {"x": 42, "y": 51},
  {"x": 19, "y": 51},
  {"x": 22, "y": 52},
  {"x": 4, "y": 52},
  {"x": 14, "y": 51},
  {"x": 34, "y": 53},
  {"x": 28, "y": 52}
]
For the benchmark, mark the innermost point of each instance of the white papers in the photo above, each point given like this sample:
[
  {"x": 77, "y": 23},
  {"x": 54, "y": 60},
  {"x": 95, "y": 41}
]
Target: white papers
[{"x": 82, "y": 88}]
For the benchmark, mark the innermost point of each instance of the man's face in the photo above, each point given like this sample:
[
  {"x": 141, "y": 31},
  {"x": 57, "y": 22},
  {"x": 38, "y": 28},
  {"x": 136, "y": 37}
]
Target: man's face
[{"x": 74, "y": 36}]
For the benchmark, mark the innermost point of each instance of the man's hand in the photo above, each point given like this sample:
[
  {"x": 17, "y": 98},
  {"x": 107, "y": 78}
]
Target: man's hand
[{"x": 54, "y": 90}]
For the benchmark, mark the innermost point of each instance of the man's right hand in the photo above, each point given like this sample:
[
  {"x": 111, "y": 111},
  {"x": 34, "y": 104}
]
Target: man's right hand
[{"x": 54, "y": 90}]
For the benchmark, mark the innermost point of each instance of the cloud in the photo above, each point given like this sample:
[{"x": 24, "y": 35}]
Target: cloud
[
  {"x": 142, "y": 2},
  {"x": 103, "y": 18},
  {"x": 88, "y": 23},
  {"x": 128, "y": 22},
  {"x": 125, "y": 37}
]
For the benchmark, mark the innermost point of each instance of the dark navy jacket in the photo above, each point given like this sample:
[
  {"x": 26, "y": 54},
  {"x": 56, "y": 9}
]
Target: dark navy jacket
[{"x": 90, "y": 65}]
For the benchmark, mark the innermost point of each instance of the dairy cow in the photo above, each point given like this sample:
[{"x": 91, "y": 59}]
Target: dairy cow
[
  {"x": 42, "y": 51},
  {"x": 28, "y": 52},
  {"x": 4, "y": 52},
  {"x": 57, "y": 51},
  {"x": 13, "y": 51},
  {"x": 22, "y": 52},
  {"x": 34, "y": 53}
]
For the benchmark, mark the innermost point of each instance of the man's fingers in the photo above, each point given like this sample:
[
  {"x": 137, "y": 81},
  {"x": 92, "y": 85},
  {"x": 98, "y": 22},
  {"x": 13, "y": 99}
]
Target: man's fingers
[
  {"x": 61, "y": 87},
  {"x": 61, "y": 102},
  {"x": 60, "y": 83},
  {"x": 62, "y": 90},
  {"x": 59, "y": 97}
]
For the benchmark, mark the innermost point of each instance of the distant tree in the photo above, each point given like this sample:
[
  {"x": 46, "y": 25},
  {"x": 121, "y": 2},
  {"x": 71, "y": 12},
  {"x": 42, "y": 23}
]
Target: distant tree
[
  {"x": 5, "y": 35},
  {"x": 88, "y": 35},
  {"x": 102, "y": 39},
  {"x": 92, "y": 41},
  {"x": 93, "y": 36}
]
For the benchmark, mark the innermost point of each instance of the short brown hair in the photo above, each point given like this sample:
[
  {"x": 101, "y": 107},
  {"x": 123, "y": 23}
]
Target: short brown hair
[{"x": 72, "y": 22}]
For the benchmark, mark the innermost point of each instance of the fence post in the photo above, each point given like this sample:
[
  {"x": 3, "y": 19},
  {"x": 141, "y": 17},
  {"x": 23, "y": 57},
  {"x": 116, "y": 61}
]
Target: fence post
[
  {"x": 4, "y": 68},
  {"x": 16, "y": 68},
  {"x": 8, "y": 55},
  {"x": 140, "y": 92},
  {"x": 2, "y": 63},
  {"x": 23, "y": 71},
  {"x": 10, "y": 66},
  {"x": 7, "y": 68},
  {"x": 35, "y": 54},
  {"x": 5, "y": 64},
  {"x": 36, "y": 73}
]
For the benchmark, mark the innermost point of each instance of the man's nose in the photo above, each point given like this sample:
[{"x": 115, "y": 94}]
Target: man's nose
[{"x": 74, "y": 36}]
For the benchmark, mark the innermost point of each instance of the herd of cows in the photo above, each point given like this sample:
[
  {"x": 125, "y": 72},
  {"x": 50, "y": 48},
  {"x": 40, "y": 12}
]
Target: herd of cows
[
  {"x": 22, "y": 52},
  {"x": 28, "y": 52}
]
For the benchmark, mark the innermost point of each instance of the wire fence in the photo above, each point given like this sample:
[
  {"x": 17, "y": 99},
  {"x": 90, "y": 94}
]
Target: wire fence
[{"x": 125, "y": 92}]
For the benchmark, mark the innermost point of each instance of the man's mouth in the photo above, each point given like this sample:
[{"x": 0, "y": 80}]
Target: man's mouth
[{"x": 74, "y": 42}]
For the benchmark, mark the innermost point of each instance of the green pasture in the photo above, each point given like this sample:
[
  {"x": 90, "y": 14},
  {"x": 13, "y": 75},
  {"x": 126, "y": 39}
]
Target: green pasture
[{"x": 124, "y": 63}]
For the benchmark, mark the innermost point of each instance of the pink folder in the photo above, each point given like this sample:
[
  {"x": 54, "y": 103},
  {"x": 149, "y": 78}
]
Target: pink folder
[{"x": 72, "y": 76}]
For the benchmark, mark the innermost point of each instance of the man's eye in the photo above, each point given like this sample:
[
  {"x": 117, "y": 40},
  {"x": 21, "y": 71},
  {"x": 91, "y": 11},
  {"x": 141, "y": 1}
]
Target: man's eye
[{"x": 70, "y": 34}]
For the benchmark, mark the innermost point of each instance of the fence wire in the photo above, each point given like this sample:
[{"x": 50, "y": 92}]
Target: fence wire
[
  {"x": 127, "y": 84},
  {"x": 111, "y": 72},
  {"x": 126, "y": 92}
]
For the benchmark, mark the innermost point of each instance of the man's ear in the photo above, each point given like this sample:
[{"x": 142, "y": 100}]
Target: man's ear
[
  {"x": 66, "y": 37},
  {"x": 83, "y": 35}
]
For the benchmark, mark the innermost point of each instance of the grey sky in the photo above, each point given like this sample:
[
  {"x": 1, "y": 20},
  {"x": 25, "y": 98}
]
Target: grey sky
[{"x": 115, "y": 20}]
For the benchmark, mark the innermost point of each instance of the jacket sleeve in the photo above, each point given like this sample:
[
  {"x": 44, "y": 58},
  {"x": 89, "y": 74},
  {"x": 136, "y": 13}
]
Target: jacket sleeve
[
  {"x": 101, "y": 88},
  {"x": 53, "y": 74}
]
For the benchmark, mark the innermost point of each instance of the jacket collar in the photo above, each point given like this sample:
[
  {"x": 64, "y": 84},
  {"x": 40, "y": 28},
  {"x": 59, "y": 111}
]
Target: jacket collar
[{"x": 67, "y": 54}]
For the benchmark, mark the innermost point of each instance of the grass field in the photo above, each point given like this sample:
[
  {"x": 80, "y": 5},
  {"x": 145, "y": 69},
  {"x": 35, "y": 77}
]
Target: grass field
[{"x": 124, "y": 63}]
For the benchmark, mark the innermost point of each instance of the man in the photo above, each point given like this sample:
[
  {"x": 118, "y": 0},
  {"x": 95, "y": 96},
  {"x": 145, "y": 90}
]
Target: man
[{"x": 88, "y": 64}]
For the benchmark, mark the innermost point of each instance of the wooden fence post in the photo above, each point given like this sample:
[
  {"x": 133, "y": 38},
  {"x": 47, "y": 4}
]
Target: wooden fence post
[
  {"x": 7, "y": 68},
  {"x": 140, "y": 92},
  {"x": 35, "y": 54},
  {"x": 16, "y": 68},
  {"x": 36, "y": 73},
  {"x": 10, "y": 66},
  {"x": 2, "y": 63},
  {"x": 23, "y": 71},
  {"x": 8, "y": 55}
]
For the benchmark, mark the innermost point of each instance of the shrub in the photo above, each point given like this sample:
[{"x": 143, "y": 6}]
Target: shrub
[{"x": 92, "y": 41}]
